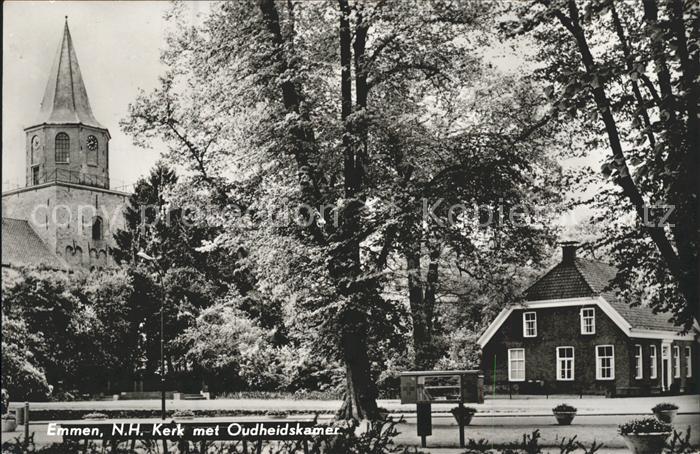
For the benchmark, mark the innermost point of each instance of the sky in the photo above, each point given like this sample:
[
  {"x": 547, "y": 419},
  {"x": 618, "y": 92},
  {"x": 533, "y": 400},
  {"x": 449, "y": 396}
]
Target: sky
[{"x": 118, "y": 48}]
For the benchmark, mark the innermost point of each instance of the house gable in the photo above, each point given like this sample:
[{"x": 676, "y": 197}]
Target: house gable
[
  {"x": 557, "y": 327},
  {"x": 600, "y": 303},
  {"x": 575, "y": 282}
]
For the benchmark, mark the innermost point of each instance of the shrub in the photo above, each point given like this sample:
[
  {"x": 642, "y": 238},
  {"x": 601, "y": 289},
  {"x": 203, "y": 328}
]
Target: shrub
[
  {"x": 276, "y": 413},
  {"x": 183, "y": 414},
  {"x": 644, "y": 426},
  {"x": 471, "y": 410},
  {"x": 664, "y": 406},
  {"x": 564, "y": 408},
  {"x": 95, "y": 415},
  {"x": 22, "y": 376}
]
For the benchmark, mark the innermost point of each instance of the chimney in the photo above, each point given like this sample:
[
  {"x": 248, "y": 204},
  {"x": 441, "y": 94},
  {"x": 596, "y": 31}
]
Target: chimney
[{"x": 568, "y": 251}]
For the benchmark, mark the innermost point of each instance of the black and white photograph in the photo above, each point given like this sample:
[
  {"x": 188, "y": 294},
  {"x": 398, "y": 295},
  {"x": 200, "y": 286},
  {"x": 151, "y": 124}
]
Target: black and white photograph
[{"x": 351, "y": 226}]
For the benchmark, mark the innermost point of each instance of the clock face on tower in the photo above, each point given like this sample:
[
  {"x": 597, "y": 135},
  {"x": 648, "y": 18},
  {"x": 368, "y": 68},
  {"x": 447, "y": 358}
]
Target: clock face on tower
[
  {"x": 35, "y": 143},
  {"x": 92, "y": 143}
]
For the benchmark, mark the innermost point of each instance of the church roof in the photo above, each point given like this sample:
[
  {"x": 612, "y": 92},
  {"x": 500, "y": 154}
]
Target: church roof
[
  {"x": 65, "y": 99},
  {"x": 21, "y": 246},
  {"x": 584, "y": 278}
]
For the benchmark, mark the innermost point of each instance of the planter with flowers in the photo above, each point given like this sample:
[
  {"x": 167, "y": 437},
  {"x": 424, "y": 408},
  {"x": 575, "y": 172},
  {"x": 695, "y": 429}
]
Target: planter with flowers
[
  {"x": 645, "y": 436},
  {"x": 665, "y": 412},
  {"x": 564, "y": 414},
  {"x": 463, "y": 415}
]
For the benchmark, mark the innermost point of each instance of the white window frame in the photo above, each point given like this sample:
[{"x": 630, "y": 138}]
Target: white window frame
[
  {"x": 526, "y": 321},
  {"x": 583, "y": 317},
  {"x": 561, "y": 359},
  {"x": 653, "y": 361},
  {"x": 510, "y": 365},
  {"x": 599, "y": 365},
  {"x": 676, "y": 361},
  {"x": 638, "y": 362},
  {"x": 688, "y": 361}
]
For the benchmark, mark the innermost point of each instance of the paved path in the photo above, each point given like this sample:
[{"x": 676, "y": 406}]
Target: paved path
[{"x": 521, "y": 406}]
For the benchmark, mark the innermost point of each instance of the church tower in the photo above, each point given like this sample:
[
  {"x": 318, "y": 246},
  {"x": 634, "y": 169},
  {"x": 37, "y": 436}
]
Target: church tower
[
  {"x": 66, "y": 142},
  {"x": 67, "y": 202}
]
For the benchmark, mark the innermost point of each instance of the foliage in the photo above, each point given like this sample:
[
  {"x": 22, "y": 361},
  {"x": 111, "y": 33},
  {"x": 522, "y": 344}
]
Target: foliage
[
  {"x": 94, "y": 415},
  {"x": 680, "y": 443},
  {"x": 22, "y": 378},
  {"x": 183, "y": 414},
  {"x": 377, "y": 441},
  {"x": 564, "y": 408},
  {"x": 4, "y": 399},
  {"x": 457, "y": 410},
  {"x": 49, "y": 317},
  {"x": 623, "y": 76},
  {"x": 529, "y": 445},
  {"x": 276, "y": 135},
  {"x": 664, "y": 406},
  {"x": 643, "y": 426}
]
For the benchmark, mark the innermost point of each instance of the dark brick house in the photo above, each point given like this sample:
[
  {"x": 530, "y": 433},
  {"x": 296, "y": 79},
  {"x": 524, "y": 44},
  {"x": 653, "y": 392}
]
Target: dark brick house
[{"x": 571, "y": 335}]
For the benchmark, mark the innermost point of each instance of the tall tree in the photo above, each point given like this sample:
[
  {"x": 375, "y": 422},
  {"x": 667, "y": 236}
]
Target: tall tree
[
  {"x": 307, "y": 105},
  {"x": 627, "y": 74}
]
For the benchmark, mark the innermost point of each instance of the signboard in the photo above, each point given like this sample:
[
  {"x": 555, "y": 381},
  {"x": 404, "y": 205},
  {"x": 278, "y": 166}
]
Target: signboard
[{"x": 442, "y": 386}]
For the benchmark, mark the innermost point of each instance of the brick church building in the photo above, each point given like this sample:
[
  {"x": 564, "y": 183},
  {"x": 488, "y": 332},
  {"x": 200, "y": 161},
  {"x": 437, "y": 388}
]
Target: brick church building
[
  {"x": 572, "y": 335},
  {"x": 66, "y": 215}
]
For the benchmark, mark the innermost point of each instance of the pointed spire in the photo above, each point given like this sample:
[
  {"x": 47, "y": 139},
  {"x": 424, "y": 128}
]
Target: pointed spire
[{"x": 65, "y": 99}]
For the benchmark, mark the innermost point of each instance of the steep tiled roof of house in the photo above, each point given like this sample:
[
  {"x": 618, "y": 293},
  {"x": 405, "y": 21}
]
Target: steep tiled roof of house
[
  {"x": 21, "y": 246},
  {"x": 582, "y": 278}
]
